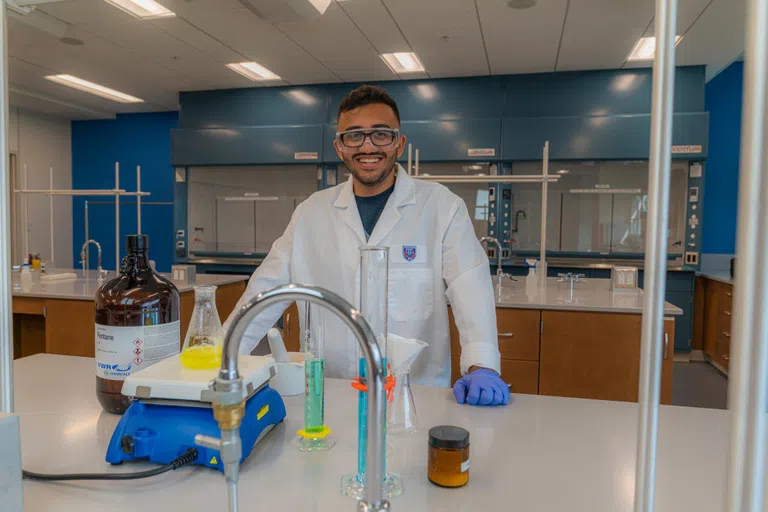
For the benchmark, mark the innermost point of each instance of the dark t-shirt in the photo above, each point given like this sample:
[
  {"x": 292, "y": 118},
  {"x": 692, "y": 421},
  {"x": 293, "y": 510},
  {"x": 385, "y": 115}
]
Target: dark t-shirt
[{"x": 370, "y": 209}]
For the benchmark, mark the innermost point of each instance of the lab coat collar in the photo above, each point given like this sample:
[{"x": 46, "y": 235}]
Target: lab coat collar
[{"x": 403, "y": 195}]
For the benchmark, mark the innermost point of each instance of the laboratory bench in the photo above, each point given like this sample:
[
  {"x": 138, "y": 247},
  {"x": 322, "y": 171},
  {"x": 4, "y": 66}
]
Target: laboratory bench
[
  {"x": 57, "y": 317},
  {"x": 539, "y": 453},
  {"x": 713, "y": 313}
]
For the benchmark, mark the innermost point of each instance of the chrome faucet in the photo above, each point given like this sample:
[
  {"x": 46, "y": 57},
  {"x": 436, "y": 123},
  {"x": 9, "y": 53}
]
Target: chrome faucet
[
  {"x": 571, "y": 277},
  {"x": 229, "y": 402},
  {"x": 500, "y": 275},
  {"x": 84, "y": 258}
]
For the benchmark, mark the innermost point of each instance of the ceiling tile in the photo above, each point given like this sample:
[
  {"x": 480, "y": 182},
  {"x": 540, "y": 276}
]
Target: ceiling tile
[
  {"x": 338, "y": 44},
  {"x": 717, "y": 38},
  {"x": 522, "y": 40},
  {"x": 599, "y": 34},
  {"x": 375, "y": 22},
  {"x": 426, "y": 25}
]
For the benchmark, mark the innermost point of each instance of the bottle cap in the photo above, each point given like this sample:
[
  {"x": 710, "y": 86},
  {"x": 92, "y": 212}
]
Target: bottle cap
[
  {"x": 448, "y": 436},
  {"x": 137, "y": 243}
]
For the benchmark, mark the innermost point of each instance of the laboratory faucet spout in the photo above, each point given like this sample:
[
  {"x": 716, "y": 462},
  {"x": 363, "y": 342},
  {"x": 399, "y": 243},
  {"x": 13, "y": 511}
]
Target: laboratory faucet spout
[
  {"x": 229, "y": 402},
  {"x": 84, "y": 257},
  {"x": 499, "y": 272}
]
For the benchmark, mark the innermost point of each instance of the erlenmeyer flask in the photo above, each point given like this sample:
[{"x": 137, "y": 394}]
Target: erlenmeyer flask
[
  {"x": 403, "y": 420},
  {"x": 205, "y": 335}
]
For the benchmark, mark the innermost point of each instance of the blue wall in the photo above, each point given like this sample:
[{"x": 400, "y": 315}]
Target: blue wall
[
  {"x": 723, "y": 101},
  {"x": 131, "y": 139}
]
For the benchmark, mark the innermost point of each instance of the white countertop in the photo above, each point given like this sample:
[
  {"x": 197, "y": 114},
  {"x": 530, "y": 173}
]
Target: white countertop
[
  {"x": 593, "y": 295},
  {"x": 85, "y": 287},
  {"x": 724, "y": 276},
  {"x": 537, "y": 454}
]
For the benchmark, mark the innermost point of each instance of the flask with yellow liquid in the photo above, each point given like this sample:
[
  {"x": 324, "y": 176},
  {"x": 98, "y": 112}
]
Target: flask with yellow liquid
[{"x": 205, "y": 335}]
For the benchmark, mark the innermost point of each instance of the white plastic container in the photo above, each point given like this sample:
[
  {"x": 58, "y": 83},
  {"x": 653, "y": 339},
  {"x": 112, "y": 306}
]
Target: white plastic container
[{"x": 289, "y": 376}]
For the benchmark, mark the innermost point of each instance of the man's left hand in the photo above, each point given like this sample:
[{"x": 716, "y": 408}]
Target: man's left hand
[{"x": 481, "y": 387}]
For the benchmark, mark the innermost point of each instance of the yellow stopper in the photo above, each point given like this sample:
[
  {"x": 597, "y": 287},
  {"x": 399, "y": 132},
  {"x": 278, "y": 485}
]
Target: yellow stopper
[{"x": 315, "y": 435}]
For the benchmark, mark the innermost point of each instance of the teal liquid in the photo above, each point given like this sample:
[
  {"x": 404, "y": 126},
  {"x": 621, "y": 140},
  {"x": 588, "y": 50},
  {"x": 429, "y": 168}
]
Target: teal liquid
[
  {"x": 362, "y": 420},
  {"x": 314, "y": 396}
]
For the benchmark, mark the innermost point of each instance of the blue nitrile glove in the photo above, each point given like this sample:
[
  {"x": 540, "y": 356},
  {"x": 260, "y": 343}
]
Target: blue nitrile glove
[{"x": 481, "y": 387}]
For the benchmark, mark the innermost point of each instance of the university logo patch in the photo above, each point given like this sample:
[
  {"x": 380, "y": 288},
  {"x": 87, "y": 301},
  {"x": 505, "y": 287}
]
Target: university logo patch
[{"x": 409, "y": 252}]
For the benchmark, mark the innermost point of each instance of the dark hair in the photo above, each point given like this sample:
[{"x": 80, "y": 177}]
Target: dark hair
[{"x": 367, "y": 95}]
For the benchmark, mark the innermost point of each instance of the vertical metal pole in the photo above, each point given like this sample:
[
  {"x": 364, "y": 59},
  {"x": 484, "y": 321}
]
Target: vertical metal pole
[
  {"x": 416, "y": 168},
  {"x": 410, "y": 158},
  {"x": 50, "y": 210},
  {"x": 749, "y": 327},
  {"x": 26, "y": 204},
  {"x": 6, "y": 330},
  {"x": 87, "y": 237},
  {"x": 138, "y": 200},
  {"x": 655, "y": 254},
  {"x": 117, "y": 216},
  {"x": 544, "y": 209}
]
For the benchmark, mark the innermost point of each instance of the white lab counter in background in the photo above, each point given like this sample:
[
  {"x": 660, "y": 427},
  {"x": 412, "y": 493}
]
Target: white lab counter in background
[
  {"x": 593, "y": 295},
  {"x": 539, "y": 454},
  {"x": 57, "y": 317}
]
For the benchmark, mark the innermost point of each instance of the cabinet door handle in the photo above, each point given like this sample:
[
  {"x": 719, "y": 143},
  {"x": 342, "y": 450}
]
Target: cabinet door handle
[
  {"x": 728, "y": 294},
  {"x": 727, "y": 334},
  {"x": 726, "y": 357},
  {"x": 727, "y": 313},
  {"x": 666, "y": 345},
  {"x": 506, "y": 335}
]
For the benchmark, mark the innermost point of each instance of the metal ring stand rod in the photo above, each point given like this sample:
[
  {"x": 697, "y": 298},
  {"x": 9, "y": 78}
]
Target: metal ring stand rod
[{"x": 656, "y": 254}]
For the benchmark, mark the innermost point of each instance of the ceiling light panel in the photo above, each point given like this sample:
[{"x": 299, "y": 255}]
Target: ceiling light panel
[
  {"x": 92, "y": 88},
  {"x": 142, "y": 9},
  {"x": 645, "y": 49},
  {"x": 403, "y": 62},
  {"x": 253, "y": 71}
]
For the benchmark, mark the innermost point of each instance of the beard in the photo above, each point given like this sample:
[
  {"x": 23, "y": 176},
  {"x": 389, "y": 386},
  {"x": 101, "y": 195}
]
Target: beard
[{"x": 371, "y": 177}]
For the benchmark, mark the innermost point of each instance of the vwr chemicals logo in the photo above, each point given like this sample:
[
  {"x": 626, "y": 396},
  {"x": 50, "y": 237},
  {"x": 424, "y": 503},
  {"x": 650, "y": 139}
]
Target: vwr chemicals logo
[
  {"x": 115, "y": 367},
  {"x": 105, "y": 337}
]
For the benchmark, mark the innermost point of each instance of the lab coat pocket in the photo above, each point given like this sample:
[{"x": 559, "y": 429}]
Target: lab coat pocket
[{"x": 411, "y": 294}]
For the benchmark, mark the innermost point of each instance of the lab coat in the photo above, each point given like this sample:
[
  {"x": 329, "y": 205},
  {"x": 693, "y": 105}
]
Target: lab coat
[{"x": 320, "y": 247}]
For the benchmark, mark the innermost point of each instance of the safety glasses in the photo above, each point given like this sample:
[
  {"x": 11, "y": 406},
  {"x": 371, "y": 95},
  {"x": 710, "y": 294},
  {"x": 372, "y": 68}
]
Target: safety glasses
[{"x": 354, "y": 139}]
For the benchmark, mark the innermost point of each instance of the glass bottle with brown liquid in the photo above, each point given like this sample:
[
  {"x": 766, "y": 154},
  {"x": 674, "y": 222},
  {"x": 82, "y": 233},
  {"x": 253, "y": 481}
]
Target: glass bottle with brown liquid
[{"x": 137, "y": 324}]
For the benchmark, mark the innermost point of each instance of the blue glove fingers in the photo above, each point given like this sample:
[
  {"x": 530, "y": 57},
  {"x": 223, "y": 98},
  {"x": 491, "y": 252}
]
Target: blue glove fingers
[
  {"x": 473, "y": 397},
  {"x": 460, "y": 391},
  {"x": 486, "y": 394},
  {"x": 505, "y": 392}
]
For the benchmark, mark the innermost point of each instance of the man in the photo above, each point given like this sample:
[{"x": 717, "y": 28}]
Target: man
[{"x": 433, "y": 253}]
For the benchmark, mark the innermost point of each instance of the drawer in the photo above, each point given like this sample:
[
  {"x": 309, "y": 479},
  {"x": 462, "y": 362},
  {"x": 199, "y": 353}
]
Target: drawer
[
  {"x": 723, "y": 296},
  {"x": 518, "y": 333},
  {"x": 522, "y": 375},
  {"x": 28, "y": 306}
]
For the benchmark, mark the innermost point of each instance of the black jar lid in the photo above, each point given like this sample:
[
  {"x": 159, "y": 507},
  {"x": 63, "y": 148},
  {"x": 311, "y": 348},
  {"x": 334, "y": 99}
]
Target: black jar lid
[
  {"x": 448, "y": 436},
  {"x": 137, "y": 243}
]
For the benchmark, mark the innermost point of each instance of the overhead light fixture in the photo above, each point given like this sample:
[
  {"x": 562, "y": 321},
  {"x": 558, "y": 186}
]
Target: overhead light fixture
[
  {"x": 403, "y": 62},
  {"x": 320, "y": 5},
  {"x": 563, "y": 171},
  {"x": 142, "y": 9},
  {"x": 92, "y": 88},
  {"x": 645, "y": 49},
  {"x": 253, "y": 71}
]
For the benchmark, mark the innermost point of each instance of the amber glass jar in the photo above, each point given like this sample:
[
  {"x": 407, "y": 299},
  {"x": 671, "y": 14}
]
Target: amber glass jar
[
  {"x": 137, "y": 324},
  {"x": 448, "y": 464}
]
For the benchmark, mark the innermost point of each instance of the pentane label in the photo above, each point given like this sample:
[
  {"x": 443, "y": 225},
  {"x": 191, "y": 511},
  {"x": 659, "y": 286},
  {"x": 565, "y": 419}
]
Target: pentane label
[{"x": 122, "y": 351}]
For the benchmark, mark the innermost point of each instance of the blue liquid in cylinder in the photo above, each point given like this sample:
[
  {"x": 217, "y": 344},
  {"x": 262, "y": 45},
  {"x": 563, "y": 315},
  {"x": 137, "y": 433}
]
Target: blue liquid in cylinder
[
  {"x": 362, "y": 420},
  {"x": 314, "y": 397}
]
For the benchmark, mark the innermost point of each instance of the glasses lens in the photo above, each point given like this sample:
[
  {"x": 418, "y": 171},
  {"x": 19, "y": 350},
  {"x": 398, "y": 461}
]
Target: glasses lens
[
  {"x": 382, "y": 138},
  {"x": 353, "y": 139}
]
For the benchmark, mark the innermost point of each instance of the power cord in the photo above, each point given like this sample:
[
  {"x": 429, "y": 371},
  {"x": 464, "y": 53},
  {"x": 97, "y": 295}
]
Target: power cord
[{"x": 187, "y": 458}]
